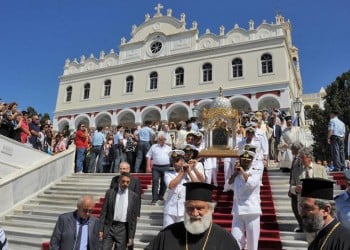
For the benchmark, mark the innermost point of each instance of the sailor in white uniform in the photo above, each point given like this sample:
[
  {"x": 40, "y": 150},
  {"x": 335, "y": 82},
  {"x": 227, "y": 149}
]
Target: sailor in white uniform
[
  {"x": 174, "y": 179},
  {"x": 260, "y": 159},
  {"x": 246, "y": 207}
]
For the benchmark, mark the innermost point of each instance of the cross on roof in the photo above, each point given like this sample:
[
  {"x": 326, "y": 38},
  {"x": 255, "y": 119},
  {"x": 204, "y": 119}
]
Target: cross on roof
[{"x": 158, "y": 8}]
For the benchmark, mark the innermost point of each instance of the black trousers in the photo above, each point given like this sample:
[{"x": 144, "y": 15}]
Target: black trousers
[
  {"x": 117, "y": 235},
  {"x": 294, "y": 201},
  {"x": 158, "y": 175}
]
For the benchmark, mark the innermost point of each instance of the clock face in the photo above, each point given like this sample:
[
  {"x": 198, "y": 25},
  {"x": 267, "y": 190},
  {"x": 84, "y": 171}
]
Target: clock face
[{"x": 156, "y": 47}]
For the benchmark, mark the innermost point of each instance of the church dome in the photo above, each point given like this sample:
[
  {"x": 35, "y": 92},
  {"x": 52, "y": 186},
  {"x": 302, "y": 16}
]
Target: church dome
[{"x": 221, "y": 101}]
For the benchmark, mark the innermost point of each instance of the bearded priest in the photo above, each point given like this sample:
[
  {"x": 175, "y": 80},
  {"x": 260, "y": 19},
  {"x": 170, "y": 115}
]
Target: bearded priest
[{"x": 197, "y": 231}]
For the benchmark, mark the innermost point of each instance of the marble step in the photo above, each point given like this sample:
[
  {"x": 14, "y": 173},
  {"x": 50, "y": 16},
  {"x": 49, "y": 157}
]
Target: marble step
[
  {"x": 287, "y": 235},
  {"x": 24, "y": 243},
  {"x": 31, "y": 218},
  {"x": 29, "y": 224}
]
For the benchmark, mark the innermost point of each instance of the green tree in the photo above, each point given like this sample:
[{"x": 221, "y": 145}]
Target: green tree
[
  {"x": 44, "y": 118},
  {"x": 337, "y": 98},
  {"x": 31, "y": 111}
]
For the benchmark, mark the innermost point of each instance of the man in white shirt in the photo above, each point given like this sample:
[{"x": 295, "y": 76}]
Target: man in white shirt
[
  {"x": 159, "y": 154},
  {"x": 174, "y": 179}
]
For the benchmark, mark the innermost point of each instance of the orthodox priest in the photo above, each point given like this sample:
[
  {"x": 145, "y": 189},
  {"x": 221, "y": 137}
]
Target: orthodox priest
[
  {"x": 317, "y": 210},
  {"x": 197, "y": 231}
]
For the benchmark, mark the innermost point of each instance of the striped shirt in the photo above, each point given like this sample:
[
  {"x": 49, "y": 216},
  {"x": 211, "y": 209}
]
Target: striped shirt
[{"x": 3, "y": 240}]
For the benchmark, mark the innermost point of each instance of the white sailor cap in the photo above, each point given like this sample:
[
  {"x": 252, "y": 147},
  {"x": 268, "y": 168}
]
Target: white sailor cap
[
  {"x": 247, "y": 155},
  {"x": 176, "y": 153},
  {"x": 189, "y": 147}
]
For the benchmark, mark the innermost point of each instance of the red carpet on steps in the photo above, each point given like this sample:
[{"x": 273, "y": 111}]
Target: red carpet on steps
[
  {"x": 339, "y": 178},
  {"x": 269, "y": 234}
]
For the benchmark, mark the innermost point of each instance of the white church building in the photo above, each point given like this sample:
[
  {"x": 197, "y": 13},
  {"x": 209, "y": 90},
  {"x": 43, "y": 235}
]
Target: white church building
[{"x": 166, "y": 68}]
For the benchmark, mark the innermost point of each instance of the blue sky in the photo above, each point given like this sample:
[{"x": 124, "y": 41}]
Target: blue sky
[{"x": 38, "y": 35}]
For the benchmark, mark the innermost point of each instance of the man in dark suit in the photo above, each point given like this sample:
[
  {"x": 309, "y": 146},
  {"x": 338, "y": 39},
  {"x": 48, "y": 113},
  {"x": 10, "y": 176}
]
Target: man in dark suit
[
  {"x": 77, "y": 230},
  {"x": 119, "y": 215},
  {"x": 134, "y": 185},
  {"x": 275, "y": 139}
]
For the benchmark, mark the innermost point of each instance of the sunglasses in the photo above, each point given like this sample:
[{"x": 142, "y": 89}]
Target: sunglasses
[{"x": 86, "y": 210}]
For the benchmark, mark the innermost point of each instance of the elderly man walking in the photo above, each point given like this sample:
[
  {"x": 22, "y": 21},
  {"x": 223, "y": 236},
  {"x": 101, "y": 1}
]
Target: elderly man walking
[
  {"x": 77, "y": 230},
  {"x": 159, "y": 153}
]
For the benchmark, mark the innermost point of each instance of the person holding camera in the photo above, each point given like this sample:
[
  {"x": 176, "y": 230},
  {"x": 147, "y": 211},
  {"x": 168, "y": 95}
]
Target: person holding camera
[
  {"x": 246, "y": 208},
  {"x": 180, "y": 173}
]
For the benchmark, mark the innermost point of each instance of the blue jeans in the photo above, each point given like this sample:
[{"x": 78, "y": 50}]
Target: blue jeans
[
  {"x": 95, "y": 152},
  {"x": 338, "y": 154},
  {"x": 79, "y": 164},
  {"x": 141, "y": 151},
  {"x": 117, "y": 158}
]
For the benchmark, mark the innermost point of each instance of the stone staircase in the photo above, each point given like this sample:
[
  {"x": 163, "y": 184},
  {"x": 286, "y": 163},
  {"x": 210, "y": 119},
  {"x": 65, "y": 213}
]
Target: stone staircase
[
  {"x": 32, "y": 223},
  {"x": 285, "y": 217}
]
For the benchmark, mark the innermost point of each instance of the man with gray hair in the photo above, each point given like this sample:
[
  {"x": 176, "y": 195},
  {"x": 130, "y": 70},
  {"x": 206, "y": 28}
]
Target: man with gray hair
[
  {"x": 77, "y": 230},
  {"x": 308, "y": 170},
  {"x": 197, "y": 231},
  {"x": 159, "y": 154},
  {"x": 317, "y": 210}
]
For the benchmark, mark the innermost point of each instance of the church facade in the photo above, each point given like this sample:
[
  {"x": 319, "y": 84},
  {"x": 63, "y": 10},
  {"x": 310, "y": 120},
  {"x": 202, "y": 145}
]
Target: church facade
[{"x": 166, "y": 69}]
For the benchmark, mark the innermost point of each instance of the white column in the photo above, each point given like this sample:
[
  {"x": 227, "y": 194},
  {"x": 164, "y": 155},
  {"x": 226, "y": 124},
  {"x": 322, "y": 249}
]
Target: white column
[
  {"x": 138, "y": 118},
  {"x": 114, "y": 119},
  {"x": 254, "y": 102},
  {"x": 163, "y": 113}
]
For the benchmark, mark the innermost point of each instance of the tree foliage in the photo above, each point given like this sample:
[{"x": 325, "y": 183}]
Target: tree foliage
[{"x": 337, "y": 98}]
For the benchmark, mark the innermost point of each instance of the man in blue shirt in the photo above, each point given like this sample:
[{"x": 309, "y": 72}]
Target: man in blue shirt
[
  {"x": 77, "y": 230},
  {"x": 342, "y": 203},
  {"x": 336, "y": 134},
  {"x": 97, "y": 142},
  {"x": 145, "y": 138}
]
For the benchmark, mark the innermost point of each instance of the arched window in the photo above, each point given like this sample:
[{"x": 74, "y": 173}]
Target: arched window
[
  {"x": 129, "y": 84},
  {"x": 295, "y": 62},
  {"x": 86, "y": 91},
  {"x": 266, "y": 63},
  {"x": 207, "y": 72},
  {"x": 179, "y": 76},
  {"x": 69, "y": 91},
  {"x": 107, "y": 88},
  {"x": 153, "y": 79},
  {"x": 237, "y": 68}
]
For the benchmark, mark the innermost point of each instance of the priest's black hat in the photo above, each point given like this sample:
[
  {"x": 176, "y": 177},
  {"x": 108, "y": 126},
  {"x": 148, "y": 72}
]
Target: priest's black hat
[
  {"x": 317, "y": 188},
  {"x": 199, "y": 191}
]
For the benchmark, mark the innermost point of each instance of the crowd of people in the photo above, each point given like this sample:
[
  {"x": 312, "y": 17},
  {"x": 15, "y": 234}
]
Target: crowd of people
[
  {"x": 173, "y": 159},
  {"x": 28, "y": 129}
]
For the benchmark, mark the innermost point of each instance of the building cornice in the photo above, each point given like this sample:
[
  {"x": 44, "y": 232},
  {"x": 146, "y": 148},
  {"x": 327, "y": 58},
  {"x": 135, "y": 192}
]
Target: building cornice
[
  {"x": 249, "y": 46},
  {"x": 200, "y": 95}
]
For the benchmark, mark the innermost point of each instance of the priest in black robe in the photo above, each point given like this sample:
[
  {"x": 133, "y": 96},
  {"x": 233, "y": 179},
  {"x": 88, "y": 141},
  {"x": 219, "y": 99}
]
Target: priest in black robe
[
  {"x": 317, "y": 210},
  {"x": 197, "y": 231}
]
